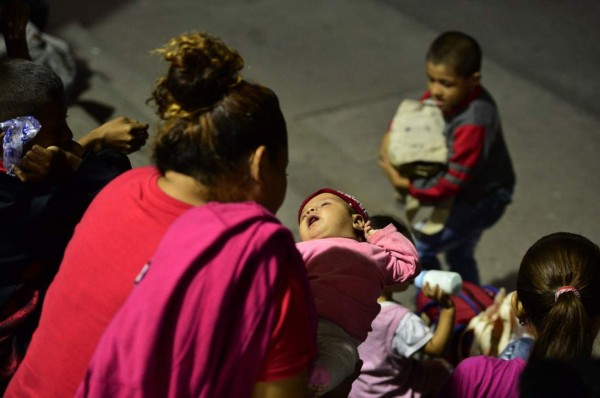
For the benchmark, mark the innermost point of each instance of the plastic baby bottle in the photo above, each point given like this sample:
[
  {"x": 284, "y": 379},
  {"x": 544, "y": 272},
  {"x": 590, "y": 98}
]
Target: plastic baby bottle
[{"x": 449, "y": 281}]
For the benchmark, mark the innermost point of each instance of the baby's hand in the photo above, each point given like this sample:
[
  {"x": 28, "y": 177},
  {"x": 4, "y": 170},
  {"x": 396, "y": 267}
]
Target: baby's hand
[
  {"x": 438, "y": 295},
  {"x": 123, "y": 134},
  {"x": 53, "y": 163},
  {"x": 368, "y": 230}
]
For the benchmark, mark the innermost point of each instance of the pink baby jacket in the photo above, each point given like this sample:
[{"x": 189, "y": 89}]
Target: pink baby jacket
[{"x": 347, "y": 276}]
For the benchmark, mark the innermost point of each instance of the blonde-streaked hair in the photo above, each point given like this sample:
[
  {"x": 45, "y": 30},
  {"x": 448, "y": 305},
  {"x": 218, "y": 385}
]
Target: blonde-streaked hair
[{"x": 212, "y": 118}]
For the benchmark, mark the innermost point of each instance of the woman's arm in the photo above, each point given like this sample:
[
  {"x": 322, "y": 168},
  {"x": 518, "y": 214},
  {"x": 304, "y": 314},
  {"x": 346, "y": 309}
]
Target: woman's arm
[{"x": 295, "y": 386}]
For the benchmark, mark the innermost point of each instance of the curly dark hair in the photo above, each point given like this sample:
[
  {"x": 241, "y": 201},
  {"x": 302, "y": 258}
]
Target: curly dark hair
[{"x": 212, "y": 119}]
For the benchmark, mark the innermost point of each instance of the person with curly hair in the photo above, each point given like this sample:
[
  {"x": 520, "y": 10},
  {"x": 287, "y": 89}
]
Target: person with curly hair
[{"x": 227, "y": 309}]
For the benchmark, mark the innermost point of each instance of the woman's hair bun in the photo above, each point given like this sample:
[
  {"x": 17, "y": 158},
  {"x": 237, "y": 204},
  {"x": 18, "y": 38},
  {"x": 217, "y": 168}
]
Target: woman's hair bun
[{"x": 203, "y": 69}]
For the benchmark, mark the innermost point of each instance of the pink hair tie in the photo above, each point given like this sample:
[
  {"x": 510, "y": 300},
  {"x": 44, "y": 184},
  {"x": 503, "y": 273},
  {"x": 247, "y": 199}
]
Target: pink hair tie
[{"x": 566, "y": 289}]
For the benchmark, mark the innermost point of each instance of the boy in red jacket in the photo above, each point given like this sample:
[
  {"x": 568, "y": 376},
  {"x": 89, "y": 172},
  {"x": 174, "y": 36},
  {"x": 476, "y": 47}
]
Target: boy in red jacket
[{"x": 478, "y": 175}]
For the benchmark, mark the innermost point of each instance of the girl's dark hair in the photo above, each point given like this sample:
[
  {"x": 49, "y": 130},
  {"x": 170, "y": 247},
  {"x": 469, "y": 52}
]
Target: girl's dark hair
[
  {"x": 458, "y": 50},
  {"x": 566, "y": 326},
  {"x": 25, "y": 87},
  {"x": 212, "y": 119}
]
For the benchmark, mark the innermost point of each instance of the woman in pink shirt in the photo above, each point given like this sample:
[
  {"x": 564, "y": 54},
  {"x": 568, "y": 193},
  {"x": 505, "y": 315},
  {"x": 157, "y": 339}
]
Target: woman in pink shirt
[{"x": 222, "y": 141}]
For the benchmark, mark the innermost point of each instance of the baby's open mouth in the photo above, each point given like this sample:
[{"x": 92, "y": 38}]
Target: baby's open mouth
[{"x": 311, "y": 220}]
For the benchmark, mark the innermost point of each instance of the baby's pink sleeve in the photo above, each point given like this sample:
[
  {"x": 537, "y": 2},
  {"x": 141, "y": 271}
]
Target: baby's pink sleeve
[{"x": 396, "y": 254}]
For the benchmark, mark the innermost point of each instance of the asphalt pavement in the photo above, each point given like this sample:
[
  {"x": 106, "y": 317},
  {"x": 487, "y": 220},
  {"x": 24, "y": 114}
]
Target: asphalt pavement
[{"x": 340, "y": 68}]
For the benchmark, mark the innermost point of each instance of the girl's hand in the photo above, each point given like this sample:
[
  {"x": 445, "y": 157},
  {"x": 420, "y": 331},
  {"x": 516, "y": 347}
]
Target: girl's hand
[{"x": 438, "y": 295}]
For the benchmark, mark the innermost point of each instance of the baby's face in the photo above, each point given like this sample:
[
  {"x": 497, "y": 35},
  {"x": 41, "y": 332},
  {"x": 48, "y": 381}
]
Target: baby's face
[{"x": 326, "y": 216}]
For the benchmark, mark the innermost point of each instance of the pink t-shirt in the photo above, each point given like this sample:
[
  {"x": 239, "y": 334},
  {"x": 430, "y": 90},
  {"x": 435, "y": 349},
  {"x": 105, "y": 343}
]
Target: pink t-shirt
[
  {"x": 224, "y": 303},
  {"x": 484, "y": 377},
  {"x": 386, "y": 372},
  {"x": 347, "y": 276},
  {"x": 115, "y": 238}
]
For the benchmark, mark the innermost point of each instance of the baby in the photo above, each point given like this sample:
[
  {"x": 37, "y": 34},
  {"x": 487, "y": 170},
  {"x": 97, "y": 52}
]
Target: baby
[{"x": 348, "y": 265}]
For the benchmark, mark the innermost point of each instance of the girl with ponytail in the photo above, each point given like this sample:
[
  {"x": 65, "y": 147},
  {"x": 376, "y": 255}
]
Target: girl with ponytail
[{"x": 558, "y": 298}]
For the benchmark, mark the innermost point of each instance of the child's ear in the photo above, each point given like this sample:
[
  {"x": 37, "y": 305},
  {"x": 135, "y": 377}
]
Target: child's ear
[
  {"x": 257, "y": 164},
  {"x": 358, "y": 222},
  {"x": 517, "y": 308}
]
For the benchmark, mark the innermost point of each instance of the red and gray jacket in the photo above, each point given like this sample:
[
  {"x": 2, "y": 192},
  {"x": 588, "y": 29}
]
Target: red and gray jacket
[{"x": 478, "y": 159}]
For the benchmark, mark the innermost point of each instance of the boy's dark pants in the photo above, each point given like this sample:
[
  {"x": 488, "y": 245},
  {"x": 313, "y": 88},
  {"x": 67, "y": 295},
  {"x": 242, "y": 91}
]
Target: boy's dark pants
[{"x": 460, "y": 235}]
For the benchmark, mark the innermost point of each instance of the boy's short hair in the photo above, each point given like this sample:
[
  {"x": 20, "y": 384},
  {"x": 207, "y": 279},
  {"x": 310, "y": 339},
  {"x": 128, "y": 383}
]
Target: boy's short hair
[
  {"x": 25, "y": 87},
  {"x": 458, "y": 50}
]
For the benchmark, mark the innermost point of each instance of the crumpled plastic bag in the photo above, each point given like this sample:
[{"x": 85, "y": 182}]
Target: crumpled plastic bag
[{"x": 17, "y": 132}]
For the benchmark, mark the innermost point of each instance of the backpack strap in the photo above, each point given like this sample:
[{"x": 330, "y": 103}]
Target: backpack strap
[
  {"x": 492, "y": 289},
  {"x": 467, "y": 295}
]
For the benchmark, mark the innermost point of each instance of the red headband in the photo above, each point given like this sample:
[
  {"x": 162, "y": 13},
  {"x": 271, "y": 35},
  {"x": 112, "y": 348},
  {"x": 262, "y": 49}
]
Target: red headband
[{"x": 351, "y": 200}]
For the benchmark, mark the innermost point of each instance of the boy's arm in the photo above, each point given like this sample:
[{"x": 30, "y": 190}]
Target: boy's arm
[
  {"x": 399, "y": 182},
  {"x": 83, "y": 170},
  {"x": 52, "y": 163},
  {"x": 395, "y": 253},
  {"x": 48, "y": 212},
  {"x": 466, "y": 154},
  {"x": 443, "y": 333},
  {"x": 123, "y": 134}
]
